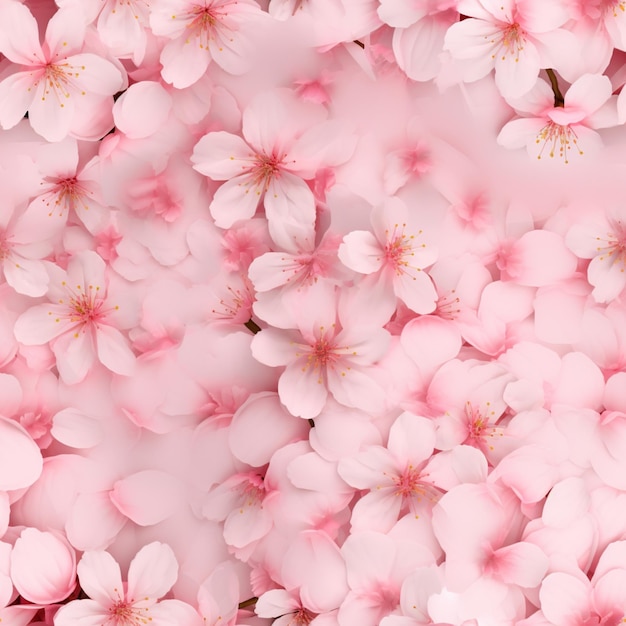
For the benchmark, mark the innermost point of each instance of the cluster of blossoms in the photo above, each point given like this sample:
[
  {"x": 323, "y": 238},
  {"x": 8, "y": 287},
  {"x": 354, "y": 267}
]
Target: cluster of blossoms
[{"x": 292, "y": 329}]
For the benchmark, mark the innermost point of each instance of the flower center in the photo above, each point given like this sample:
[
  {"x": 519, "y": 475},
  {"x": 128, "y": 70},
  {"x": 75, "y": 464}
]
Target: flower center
[
  {"x": 66, "y": 194},
  {"x": 400, "y": 249},
  {"x": 302, "y": 617},
  {"x": 124, "y": 614},
  {"x": 557, "y": 138},
  {"x": 479, "y": 426},
  {"x": 613, "y": 246},
  {"x": 448, "y": 306},
  {"x": 59, "y": 81},
  {"x": 513, "y": 39}
]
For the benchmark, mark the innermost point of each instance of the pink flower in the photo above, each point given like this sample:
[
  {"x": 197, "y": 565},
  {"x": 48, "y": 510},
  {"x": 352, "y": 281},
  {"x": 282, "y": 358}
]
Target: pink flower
[
  {"x": 201, "y": 31},
  {"x": 393, "y": 257},
  {"x": 151, "y": 574},
  {"x": 286, "y": 143},
  {"x": 323, "y": 355},
  {"x": 549, "y": 130},
  {"x": 60, "y": 85},
  {"x": 516, "y": 37},
  {"x": 79, "y": 321},
  {"x": 603, "y": 240}
]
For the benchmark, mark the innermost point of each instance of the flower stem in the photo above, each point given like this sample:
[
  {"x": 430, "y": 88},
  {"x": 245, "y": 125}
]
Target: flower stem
[
  {"x": 559, "y": 100},
  {"x": 247, "y": 603},
  {"x": 252, "y": 326}
]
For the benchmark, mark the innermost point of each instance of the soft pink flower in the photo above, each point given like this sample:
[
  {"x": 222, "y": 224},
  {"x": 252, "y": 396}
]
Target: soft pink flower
[
  {"x": 393, "y": 258},
  {"x": 325, "y": 354},
  {"x": 548, "y": 130},
  {"x": 151, "y": 574},
  {"x": 201, "y": 31},
  {"x": 60, "y": 84},
  {"x": 516, "y": 37},
  {"x": 285, "y": 142},
  {"x": 80, "y": 321}
]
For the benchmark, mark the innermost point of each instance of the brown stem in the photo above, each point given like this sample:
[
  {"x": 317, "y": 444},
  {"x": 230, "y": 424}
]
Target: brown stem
[
  {"x": 252, "y": 326},
  {"x": 359, "y": 43},
  {"x": 559, "y": 100},
  {"x": 246, "y": 603}
]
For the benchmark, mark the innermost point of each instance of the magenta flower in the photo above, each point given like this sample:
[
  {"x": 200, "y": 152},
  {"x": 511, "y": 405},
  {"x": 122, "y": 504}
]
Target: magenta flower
[
  {"x": 59, "y": 85},
  {"x": 79, "y": 321}
]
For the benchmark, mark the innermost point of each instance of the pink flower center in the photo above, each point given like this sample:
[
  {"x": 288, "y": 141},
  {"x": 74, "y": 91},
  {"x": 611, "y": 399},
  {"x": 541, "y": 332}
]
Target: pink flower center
[
  {"x": 557, "y": 138},
  {"x": 123, "y": 613},
  {"x": 202, "y": 23},
  {"x": 513, "y": 39},
  {"x": 5, "y": 246},
  {"x": 236, "y": 306},
  {"x": 613, "y": 247},
  {"x": 400, "y": 250},
  {"x": 479, "y": 427},
  {"x": 302, "y": 617},
  {"x": 324, "y": 353},
  {"x": 448, "y": 306},
  {"x": 59, "y": 81},
  {"x": 66, "y": 194},
  {"x": 612, "y": 6},
  {"x": 265, "y": 169}
]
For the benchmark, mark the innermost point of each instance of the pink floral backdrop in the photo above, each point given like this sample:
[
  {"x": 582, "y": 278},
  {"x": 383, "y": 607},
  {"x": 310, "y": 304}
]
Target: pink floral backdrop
[{"x": 312, "y": 312}]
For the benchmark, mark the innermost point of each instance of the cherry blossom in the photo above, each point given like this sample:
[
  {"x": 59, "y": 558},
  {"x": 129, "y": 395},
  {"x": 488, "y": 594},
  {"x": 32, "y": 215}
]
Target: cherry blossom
[
  {"x": 562, "y": 131},
  {"x": 60, "y": 84},
  {"x": 80, "y": 321},
  {"x": 513, "y": 37},
  {"x": 201, "y": 31}
]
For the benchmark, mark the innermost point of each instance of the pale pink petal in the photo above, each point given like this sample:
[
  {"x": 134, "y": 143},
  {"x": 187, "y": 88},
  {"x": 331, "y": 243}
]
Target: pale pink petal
[
  {"x": 355, "y": 388},
  {"x": 361, "y": 252},
  {"x": 175, "y": 613},
  {"x": 245, "y": 525},
  {"x": 581, "y": 383},
  {"x": 113, "y": 350},
  {"x": 430, "y": 341},
  {"x": 290, "y": 209},
  {"x": 147, "y": 497},
  {"x": 322, "y": 583},
  {"x": 21, "y": 463},
  {"x": 615, "y": 392},
  {"x": 65, "y": 31},
  {"x": 221, "y": 155},
  {"x": 274, "y": 347},
  {"x": 474, "y": 39},
  {"x": 234, "y": 55},
  {"x": 237, "y": 199},
  {"x": 15, "y": 98},
  {"x": 260, "y": 427},
  {"x": 541, "y": 258},
  {"x": 565, "y": 599},
  {"x": 417, "y": 49},
  {"x": 80, "y": 613},
  {"x": 518, "y": 132},
  {"x": 361, "y": 610},
  {"x": 19, "y": 37},
  {"x": 516, "y": 73},
  {"x": 608, "y": 592},
  {"x": 411, "y": 439},
  {"x": 417, "y": 291},
  {"x": 400, "y": 14},
  {"x": 303, "y": 393},
  {"x": 377, "y": 511},
  {"x": 26, "y": 276},
  {"x": 371, "y": 468},
  {"x": 370, "y": 558},
  {"x": 42, "y": 323},
  {"x": 273, "y": 269},
  {"x": 43, "y": 567},
  {"x": 152, "y": 572},
  {"x": 95, "y": 75},
  {"x": 74, "y": 353},
  {"x": 100, "y": 577},
  {"x": 50, "y": 114},
  {"x": 589, "y": 92},
  {"x": 276, "y": 602},
  {"x": 539, "y": 17},
  {"x": 522, "y": 563},
  {"x": 184, "y": 63},
  {"x": 142, "y": 109},
  {"x": 568, "y": 501},
  {"x": 93, "y": 521},
  {"x": 76, "y": 429},
  {"x": 11, "y": 395}
]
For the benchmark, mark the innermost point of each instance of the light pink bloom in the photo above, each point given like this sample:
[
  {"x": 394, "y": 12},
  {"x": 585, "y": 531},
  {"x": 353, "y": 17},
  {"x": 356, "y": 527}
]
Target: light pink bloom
[
  {"x": 603, "y": 240},
  {"x": 201, "y": 31},
  {"x": 43, "y": 566},
  {"x": 59, "y": 84},
  {"x": 80, "y": 321},
  {"x": 516, "y": 37},
  {"x": 285, "y": 142},
  {"x": 548, "y": 130},
  {"x": 393, "y": 258},
  {"x": 325, "y": 354},
  {"x": 151, "y": 574},
  {"x": 396, "y": 476}
]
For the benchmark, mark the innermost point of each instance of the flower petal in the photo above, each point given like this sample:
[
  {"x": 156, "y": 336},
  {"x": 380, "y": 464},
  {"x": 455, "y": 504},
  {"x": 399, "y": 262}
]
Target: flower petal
[{"x": 152, "y": 572}]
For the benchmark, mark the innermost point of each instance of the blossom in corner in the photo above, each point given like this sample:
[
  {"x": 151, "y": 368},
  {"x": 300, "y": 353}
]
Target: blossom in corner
[
  {"x": 550, "y": 131},
  {"x": 79, "y": 321},
  {"x": 57, "y": 83}
]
